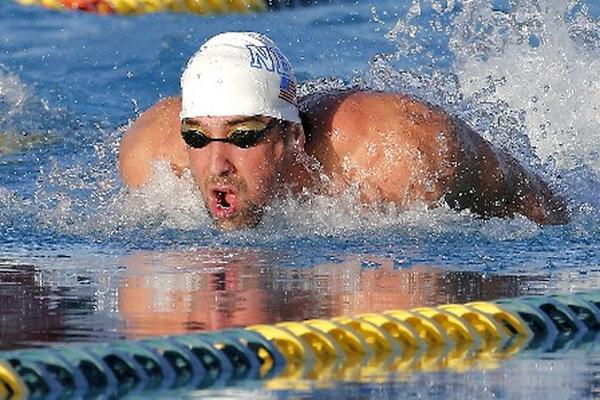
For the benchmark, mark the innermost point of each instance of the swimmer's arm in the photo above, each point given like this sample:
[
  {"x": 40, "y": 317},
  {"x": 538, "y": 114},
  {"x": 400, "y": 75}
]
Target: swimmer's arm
[
  {"x": 153, "y": 136},
  {"x": 469, "y": 172},
  {"x": 491, "y": 182}
]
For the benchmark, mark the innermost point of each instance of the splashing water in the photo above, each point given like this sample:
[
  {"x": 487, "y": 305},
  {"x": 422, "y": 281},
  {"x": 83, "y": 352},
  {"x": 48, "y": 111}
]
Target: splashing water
[
  {"x": 15, "y": 105},
  {"x": 524, "y": 74},
  {"x": 555, "y": 82}
]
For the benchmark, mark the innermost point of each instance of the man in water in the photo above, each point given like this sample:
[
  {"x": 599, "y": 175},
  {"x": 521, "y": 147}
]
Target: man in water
[{"x": 247, "y": 140}]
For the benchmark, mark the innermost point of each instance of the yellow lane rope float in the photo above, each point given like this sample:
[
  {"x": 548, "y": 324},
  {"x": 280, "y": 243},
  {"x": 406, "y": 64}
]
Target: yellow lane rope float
[
  {"x": 150, "y": 6},
  {"x": 286, "y": 354}
]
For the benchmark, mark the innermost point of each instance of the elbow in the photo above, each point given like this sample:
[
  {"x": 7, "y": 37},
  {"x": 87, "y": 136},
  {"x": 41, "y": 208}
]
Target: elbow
[
  {"x": 546, "y": 209},
  {"x": 557, "y": 214},
  {"x": 132, "y": 180}
]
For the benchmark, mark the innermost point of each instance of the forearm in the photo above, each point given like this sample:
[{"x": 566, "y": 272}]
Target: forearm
[
  {"x": 534, "y": 198},
  {"x": 492, "y": 183}
]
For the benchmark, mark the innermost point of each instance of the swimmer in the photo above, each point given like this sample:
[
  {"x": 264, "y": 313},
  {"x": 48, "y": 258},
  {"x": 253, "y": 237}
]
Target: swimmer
[{"x": 247, "y": 139}]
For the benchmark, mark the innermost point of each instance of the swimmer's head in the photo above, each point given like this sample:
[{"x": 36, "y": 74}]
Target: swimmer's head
[
  {"x": 240, "y": 122},
  {"x": 239, "y": 73}
]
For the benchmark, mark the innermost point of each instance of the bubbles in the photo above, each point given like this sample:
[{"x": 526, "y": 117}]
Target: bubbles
[{"x": 583, "y": 19}]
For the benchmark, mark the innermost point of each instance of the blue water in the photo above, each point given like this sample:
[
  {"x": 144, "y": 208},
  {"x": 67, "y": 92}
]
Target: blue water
[{"x": 88, "y": 260}]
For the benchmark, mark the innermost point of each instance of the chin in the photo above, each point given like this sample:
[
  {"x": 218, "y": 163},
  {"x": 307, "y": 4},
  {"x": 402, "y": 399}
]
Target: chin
[{"x": 240, "y": 221}]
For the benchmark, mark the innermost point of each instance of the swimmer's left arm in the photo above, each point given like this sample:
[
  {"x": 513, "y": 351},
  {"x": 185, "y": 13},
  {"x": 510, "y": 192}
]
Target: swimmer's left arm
[
  {"x": 492, "y": 182},
  {"x": 408, "y": 150},
  {"x": 453, "y": 162}
]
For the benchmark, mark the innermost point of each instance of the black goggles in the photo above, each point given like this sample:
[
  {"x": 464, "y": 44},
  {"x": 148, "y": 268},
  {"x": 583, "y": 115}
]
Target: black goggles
[{"x": 243, "y": 136}]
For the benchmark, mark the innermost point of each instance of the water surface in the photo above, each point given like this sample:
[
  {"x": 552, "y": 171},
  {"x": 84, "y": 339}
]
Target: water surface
[{"x": 83, "y": 259}]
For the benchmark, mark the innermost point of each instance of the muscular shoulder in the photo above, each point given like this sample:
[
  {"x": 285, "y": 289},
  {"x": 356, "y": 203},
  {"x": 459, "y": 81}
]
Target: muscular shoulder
[
  {"x": 367, "y": 135},
  {"x": 153, "y": 135},
  {"x": 160, "y": 118},
  {"x": 364, "y": 113}
]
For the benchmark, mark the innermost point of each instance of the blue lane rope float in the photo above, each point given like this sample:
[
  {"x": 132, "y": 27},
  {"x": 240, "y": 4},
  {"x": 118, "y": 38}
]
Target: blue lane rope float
[
  {"x": 151, "y": 6},
  {"x": 450, "y": 336}
]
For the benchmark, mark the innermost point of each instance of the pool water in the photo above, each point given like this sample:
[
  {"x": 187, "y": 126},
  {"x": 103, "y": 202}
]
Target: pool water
[{"x": 84, "y": 259}]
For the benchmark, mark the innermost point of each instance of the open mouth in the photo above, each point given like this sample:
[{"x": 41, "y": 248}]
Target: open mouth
[
  {"x": 223, "y": 202},
  {"x": 222, "y": 199}
]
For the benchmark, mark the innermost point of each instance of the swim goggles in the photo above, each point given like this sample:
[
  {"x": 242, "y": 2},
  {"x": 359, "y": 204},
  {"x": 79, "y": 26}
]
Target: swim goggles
[{"x": 246, "y": 135}]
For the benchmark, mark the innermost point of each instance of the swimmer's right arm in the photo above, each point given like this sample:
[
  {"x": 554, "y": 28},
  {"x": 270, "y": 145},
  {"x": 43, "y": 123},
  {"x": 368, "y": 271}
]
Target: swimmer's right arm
[{"x": 153, "y": 136}]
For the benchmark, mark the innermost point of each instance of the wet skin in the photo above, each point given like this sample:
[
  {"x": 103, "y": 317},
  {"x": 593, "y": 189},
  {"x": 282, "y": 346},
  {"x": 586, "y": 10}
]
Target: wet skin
[
  {"x": 235, "y": 182},
  {"x": 391, "y": 147}
]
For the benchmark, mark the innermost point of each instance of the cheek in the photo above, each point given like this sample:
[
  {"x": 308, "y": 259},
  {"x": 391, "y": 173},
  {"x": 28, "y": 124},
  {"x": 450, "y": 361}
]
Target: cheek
[
  {"x": 257, "y": 167},
  {"x": 261, "y": 169},
  {"x": 198, "y": 163}
]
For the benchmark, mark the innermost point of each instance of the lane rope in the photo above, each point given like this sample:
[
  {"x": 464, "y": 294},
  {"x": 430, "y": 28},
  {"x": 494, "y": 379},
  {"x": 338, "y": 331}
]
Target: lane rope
[
  {"x": 177, "y": 6},
  {"x": 450, "y": 336}
]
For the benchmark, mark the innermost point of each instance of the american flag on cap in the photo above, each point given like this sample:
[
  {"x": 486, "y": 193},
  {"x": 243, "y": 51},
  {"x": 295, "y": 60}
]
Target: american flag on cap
[{"x": 287, "y": 89}]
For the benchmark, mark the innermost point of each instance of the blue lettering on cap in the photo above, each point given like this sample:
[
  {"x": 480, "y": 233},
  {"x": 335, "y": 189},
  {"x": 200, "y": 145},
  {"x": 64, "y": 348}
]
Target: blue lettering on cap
[
  {"x": 260, "y": 57},
  {"x": 282, "y": 64},
  {"x": 269, "y": 58}
]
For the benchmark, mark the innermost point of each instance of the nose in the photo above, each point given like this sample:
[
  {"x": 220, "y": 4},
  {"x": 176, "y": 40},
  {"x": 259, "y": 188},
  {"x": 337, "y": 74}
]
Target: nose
[{"x": 220, "y": 160}]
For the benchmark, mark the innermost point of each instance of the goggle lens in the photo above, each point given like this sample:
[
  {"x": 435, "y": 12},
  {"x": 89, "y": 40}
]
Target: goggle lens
[{"x": 242, "y": 136}]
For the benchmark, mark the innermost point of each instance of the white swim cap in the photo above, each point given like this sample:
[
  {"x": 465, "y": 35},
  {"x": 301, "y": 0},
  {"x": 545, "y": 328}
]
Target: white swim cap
[{"x": 239, "y": 73}]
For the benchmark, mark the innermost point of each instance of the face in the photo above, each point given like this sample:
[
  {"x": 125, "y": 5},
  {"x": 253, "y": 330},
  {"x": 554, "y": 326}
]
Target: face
[{"x": 236, "y": 183}]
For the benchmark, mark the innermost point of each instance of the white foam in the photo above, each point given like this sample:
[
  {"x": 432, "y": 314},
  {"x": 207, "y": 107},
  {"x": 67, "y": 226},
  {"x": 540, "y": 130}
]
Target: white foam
[
  {"x": 174, "y": 199},
  {"x": 541, "y": 69}
]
